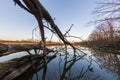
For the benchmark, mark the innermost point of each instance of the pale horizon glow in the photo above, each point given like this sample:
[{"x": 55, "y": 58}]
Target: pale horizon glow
[{"x": 17, "y": 24}]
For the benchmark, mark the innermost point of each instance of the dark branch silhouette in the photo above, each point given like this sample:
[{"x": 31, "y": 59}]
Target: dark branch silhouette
[{"x": 36, "y": 8}]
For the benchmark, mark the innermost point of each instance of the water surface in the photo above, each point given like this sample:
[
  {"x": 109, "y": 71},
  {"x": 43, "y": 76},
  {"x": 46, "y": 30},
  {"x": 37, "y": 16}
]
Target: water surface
[{"x": 94, "y": 65}]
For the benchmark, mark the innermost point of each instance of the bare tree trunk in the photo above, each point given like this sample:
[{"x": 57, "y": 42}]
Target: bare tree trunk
[
  {"x": 35, "y": 7},
  {"x": 39, "y": 16}
]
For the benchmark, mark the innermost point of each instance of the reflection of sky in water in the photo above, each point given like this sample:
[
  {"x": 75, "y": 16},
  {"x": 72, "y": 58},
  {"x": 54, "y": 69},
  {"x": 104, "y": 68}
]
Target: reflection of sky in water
[
  {"x": 11, "y": 56},
  {"x": 55, "y": 67},
  {"x": 15, "y": 55}
]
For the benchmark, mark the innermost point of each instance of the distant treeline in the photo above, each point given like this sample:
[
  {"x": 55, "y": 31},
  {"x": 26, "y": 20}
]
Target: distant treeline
[
  {"x": 106, "y": 31},
  {"x": 105, "y": 36},
  {"x": 30, "y": 42}
]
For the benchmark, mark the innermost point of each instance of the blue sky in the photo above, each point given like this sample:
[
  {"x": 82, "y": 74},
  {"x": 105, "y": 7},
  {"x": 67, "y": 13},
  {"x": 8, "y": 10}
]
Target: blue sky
[{"x": 17, "y": 24}]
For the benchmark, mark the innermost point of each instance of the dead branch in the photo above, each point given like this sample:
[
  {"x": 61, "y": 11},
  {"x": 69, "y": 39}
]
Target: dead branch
[{"x": 36, "y": 8}]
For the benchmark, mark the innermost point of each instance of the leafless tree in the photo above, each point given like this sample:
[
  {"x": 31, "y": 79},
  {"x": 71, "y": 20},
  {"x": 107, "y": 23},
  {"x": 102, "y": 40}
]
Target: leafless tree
[
  {"x": 35, "y": 8},
  {"x": 110, "y": 9},
  {"x": 108, "y": 13},
  {"x": 103, "y": 31}
]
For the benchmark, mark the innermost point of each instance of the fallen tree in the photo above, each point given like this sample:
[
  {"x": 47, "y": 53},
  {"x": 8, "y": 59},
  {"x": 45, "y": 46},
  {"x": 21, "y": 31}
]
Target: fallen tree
[
  {"x": 16, "y": 67},
  {"x": 21, "y": 65}
]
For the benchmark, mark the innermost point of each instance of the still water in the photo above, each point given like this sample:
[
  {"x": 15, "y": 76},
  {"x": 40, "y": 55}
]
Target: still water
[{"x": 90, "y": 65}]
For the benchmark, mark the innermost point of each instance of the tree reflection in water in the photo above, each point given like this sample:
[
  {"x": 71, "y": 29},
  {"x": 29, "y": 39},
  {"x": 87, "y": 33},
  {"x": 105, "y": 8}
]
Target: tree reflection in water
[
  {"x": 109, "y": 61},
  {"x": 65, "y": 66}
]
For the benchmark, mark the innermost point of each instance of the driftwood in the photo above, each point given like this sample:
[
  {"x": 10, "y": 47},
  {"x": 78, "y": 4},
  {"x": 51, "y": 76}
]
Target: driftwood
[
  {"x": 35, "y": 8},
  {"x": 11, "y": 69}
]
